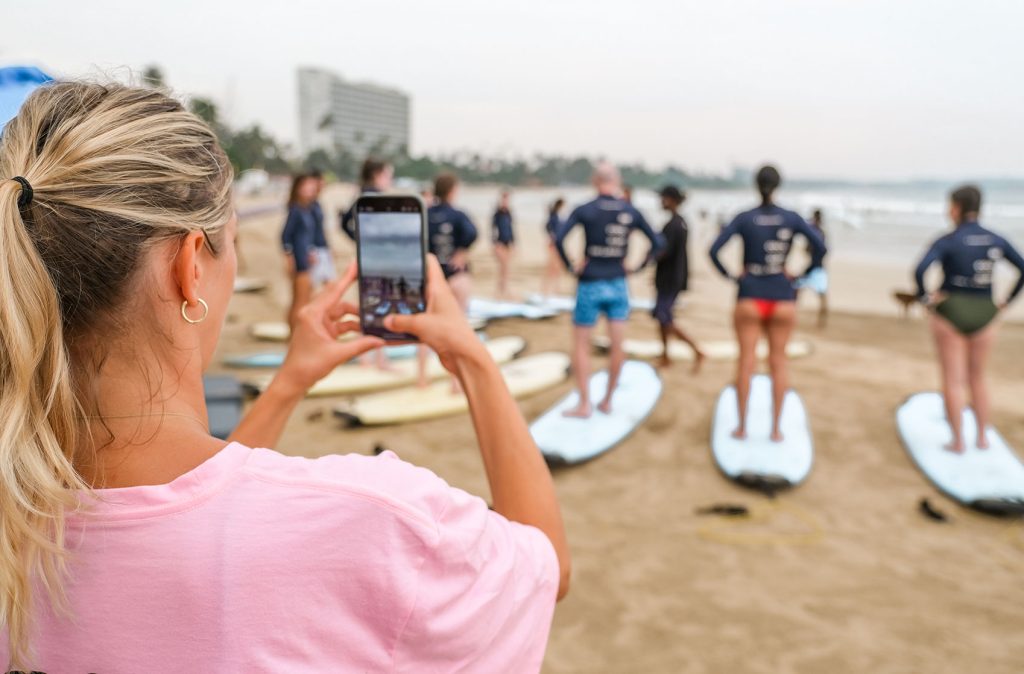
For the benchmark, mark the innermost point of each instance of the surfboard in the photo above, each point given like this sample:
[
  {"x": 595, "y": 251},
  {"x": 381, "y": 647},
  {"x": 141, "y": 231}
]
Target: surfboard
[
  {"x": 989, "y": 480},
  {"x": 568, "y": 441},
  {"x": 756, "y": 461},
  {"x": 722, "y": 349},
  {"x": 353, "y": 378},
  {"x": 278, "y": 331},
  {"x": 566, "y": 303},
  {"x": 223, "y": 404},
  {"x": 488, "y": 310},
  {"x": 268, "y": 359},
  {"x": 524, "y": 376},
  {"x": 246, "y": 284}
]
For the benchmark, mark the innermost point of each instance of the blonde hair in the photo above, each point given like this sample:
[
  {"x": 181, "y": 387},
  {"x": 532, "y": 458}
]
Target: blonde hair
[{"x": 113, "y": 171}]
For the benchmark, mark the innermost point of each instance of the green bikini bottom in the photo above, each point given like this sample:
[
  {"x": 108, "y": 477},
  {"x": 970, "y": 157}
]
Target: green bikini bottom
[{"x": 967, "y": 313}]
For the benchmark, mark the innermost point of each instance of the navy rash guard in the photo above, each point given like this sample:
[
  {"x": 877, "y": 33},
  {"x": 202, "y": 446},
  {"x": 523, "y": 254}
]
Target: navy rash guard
[
  {"x": 968, "y": 256},
  {"x": 348, "y": 218},
  {"x": 319, "y": 236},
  {"x": 552, "y": 225},
  {"x": 767, "y": 233},
  {"x": 607, "y": 222},
  {"x": 298, "y": 238},
  {"x": 448, "y": 230},
  {"x": 502, "y": 227}
]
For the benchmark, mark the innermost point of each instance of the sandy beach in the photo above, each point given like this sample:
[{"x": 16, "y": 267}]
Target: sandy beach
[{"x": 841, "y": 575}]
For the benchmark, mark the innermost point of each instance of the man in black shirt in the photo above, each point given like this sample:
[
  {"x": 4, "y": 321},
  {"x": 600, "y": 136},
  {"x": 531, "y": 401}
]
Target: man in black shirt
[{"x": 672, "y": 275}]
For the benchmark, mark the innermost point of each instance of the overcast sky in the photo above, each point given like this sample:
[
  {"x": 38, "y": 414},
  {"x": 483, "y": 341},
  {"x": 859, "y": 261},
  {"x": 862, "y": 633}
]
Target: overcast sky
[{"x": 840, "y": 88}]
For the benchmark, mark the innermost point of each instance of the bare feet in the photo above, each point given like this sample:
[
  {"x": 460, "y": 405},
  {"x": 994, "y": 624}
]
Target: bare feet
[
  {"x": 740, "y": 433},
  {"x": 664, "y": 362},
  {"x": 581, "y": 411},
  {"x": 605, "y": 407},
  {"x": 955, "y": 447},
  {"x": 777, "y": 436},
  {"x": 698, "y": 361},
  {"x": 982, "y": 441}
]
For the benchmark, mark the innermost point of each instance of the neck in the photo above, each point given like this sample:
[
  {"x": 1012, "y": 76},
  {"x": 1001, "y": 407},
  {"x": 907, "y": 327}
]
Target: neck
[{"x": 147, "y": 420}]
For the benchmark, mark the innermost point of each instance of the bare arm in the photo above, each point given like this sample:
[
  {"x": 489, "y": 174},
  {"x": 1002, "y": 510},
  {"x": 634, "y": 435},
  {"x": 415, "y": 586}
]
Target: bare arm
[
  {"x": 313, "y": 352},
  {"x": 521, "y": 485}
]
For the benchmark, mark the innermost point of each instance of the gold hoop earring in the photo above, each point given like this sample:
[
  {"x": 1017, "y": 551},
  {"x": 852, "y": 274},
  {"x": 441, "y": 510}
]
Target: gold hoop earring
[{"x": 193, "y": 321}]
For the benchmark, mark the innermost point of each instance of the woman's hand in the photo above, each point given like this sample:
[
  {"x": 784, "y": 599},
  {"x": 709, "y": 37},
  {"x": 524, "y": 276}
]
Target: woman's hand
[
  {"x": 443, "y": 326},
  {"x": 314, "y": 349}
]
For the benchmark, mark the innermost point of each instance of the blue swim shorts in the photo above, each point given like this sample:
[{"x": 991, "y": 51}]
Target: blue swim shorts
[{"x": 606, "y": 296}]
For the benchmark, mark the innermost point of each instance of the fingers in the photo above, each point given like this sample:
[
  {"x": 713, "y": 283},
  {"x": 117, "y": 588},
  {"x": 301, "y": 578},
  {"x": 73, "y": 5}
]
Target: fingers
[
  {"x": 357, "y": 347},
  {"x": 339, "y": 328},
  {"x": 401, "y": 323},
  {"x": 434, "y": 271},
  {"x": 334, "y": 291},
  {"x": 340, "y": 309}
]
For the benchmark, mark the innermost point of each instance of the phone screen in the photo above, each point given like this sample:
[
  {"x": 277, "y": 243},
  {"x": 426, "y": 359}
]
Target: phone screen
[{"x": 392, "y": 266}]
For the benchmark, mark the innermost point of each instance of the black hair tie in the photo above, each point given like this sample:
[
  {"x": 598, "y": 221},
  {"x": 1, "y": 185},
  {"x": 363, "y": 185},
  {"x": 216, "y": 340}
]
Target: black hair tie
[{"x": 25, "y": 198}]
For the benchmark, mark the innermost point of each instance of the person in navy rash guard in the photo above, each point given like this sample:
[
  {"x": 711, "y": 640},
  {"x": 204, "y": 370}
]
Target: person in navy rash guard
[
  {"x": 553, "y": 270},
  {"x": 766, "y": 300},
  {"x": 963, "y": 311},
  {"x": 323, "y": 271},
  {"x": 298, "y": 240},
  {"x": 450, "y": 233},
  {"x": 607, "y": 221},
  {"x": 503, "y": 239},
  {"x": 375, "y": 177}
]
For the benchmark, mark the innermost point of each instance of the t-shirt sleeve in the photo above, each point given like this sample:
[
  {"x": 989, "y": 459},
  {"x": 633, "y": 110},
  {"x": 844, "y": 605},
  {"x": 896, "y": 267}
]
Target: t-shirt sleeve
[{"x": 486, "y": 594}]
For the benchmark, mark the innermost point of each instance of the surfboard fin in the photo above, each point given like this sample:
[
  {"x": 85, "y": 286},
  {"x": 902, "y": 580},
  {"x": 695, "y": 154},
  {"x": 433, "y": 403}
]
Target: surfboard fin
[
  {"x": 931, "y": 512},
  {"x": 725, "y": 509}
]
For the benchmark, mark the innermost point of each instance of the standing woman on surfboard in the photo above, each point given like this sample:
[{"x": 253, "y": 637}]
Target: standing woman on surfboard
[
  {"x": 766, "y": 302},
  {"x": 963, "y": 311},
  {"x": 549, "y": 284},
  {"x": 131, "y": 540},
  {"x": 298, "y": 240}
]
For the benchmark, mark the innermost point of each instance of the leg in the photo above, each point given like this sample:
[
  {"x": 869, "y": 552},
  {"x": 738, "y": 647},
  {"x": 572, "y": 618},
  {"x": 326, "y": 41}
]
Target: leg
[
  {"x": 823, "y": 311},
  {"x": 581, "y": 371},
  {"x": 616, "y": 357},
  {"x": 979, "y": 346},
  {"x": 462, "y": 287},
  {"x": 698, "y": 355},
  {"x": 780, "y": 328},
  {"x": 421, "y": 367},
  {"x": 665, "y": 331},
  {"x": 952, "y": 350},
  {"x": 747, "y": 323}
]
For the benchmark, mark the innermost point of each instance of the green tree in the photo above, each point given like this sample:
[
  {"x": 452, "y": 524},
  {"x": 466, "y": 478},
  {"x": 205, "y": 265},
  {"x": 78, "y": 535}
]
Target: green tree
[{"x": 153, "y": 77}]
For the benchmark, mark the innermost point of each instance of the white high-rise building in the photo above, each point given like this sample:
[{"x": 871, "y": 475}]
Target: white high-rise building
[{"x": 358, "y": 116}]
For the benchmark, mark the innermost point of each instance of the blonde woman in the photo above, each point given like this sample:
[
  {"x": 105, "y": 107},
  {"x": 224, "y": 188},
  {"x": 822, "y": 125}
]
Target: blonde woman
[{"x": 131, "y": 540}]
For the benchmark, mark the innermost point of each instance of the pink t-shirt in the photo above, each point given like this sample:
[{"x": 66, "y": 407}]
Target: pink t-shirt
[{"x": 259, "y": 562}]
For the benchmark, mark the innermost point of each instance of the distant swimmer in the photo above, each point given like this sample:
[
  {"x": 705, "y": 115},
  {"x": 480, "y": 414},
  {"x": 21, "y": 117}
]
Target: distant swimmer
[
  {"x": 672, "y": 275},
  {"x": 815, "y": 278},
  {"x": 450, "y": 234},
  {"x": 607, "y": 221},
  {"x": 503, "y": 240},
  {"x": 963, "y": 311},
  {"x": 375, "y": 176},
  {"x": 767, "y": 299},
  {"x": 553, "y": 270},
  {"x": 298, "y": 240}
]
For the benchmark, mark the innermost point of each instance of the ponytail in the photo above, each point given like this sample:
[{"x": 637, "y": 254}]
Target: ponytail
[{"x": 38, "y": 427}]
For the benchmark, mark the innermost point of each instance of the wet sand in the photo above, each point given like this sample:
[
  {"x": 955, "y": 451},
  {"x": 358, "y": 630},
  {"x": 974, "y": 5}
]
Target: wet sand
[{"x": 841, "y": 575}]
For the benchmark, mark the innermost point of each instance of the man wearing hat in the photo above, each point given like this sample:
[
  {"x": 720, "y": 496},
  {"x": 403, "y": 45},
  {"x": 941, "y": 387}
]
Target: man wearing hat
[{"x": 672, "y": 275}]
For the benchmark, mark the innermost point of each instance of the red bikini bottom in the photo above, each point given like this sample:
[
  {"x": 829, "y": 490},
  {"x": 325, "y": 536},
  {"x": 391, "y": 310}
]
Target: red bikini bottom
[{"x": 765, "y": 308}]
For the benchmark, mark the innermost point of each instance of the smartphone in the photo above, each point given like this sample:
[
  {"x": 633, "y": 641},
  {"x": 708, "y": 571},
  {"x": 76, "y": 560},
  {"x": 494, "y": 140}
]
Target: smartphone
[{"x": 391, "y": 235}]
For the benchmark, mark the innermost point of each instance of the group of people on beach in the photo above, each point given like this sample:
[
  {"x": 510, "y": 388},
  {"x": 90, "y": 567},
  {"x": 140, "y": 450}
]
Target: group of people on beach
[{"x": 131, "y": 539}]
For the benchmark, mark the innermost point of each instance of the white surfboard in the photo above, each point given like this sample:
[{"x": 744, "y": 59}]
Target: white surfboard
[
  {"x": 525, "y": 377},
  {"x": 563, "y": 440},
  {"x": 990, "y": 480},
  {"x": 278, "y": 331},
  {"x": 270, "y": 359},
  {"x": 487, "y": 310},
  {"x": 247, "y": 284},
  {"x": 757, "y": 461},
  {"x": 353, "y": 378},
  {"x": 566, "y": 303},
  {"x": 720, "y": 349}
]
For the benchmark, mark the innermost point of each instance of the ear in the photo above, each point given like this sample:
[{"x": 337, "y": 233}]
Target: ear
[{"x": 188, "y": 268}]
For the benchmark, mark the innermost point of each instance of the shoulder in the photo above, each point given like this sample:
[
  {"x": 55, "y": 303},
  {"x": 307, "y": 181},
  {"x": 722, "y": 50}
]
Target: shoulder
[{"x": 382, "y": 483}]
